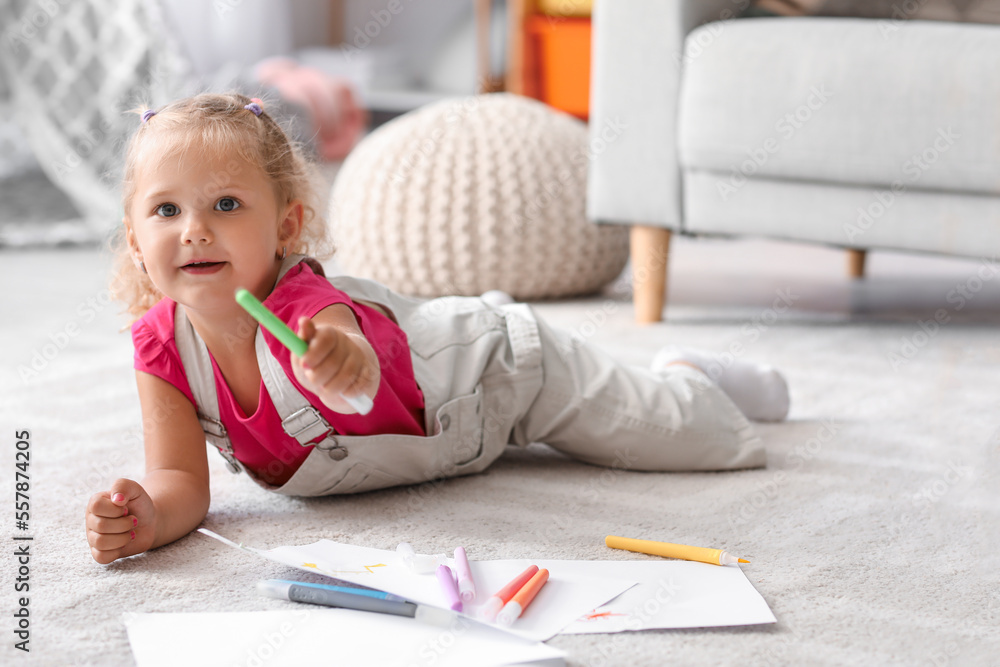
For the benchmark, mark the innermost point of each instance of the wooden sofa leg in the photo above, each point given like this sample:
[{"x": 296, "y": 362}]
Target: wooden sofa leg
[
  {"x": 649, "y": 249},
  {"x": 856, "y": 262}
]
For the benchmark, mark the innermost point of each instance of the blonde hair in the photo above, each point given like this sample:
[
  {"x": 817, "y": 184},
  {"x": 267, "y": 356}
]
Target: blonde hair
[{"x": 219, "y": 123}]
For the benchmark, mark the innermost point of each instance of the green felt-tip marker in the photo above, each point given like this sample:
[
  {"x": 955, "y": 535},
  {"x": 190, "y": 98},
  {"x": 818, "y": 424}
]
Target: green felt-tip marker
[{"x": 289, "y": 339}]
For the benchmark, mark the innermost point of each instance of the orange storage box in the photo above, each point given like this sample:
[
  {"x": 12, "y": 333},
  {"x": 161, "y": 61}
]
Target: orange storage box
[{"x": 563, "y": 48}]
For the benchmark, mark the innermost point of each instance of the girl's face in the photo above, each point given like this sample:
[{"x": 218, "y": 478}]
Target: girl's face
[{"x": 205, "y": 225}]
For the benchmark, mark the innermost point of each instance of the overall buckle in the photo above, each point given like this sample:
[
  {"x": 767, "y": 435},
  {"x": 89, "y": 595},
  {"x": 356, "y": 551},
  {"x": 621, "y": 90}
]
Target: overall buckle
[{"x": 299, "y": 424}]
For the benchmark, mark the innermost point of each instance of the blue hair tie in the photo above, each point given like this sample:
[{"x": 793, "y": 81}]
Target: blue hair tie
[{"x": 147, "y": 114}]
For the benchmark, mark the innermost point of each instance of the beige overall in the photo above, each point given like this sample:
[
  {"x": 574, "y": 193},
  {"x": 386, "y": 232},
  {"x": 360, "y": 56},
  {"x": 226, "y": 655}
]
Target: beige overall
[{"x": 497, "y": 376}]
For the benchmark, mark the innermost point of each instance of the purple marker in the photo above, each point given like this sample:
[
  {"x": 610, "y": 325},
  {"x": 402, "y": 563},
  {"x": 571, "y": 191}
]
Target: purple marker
[{"x": 450, "y": 587}]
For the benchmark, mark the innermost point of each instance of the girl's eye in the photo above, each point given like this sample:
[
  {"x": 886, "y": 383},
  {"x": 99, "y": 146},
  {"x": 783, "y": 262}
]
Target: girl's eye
[
  {"x": 227, "y": 204},
  {"x": 167, "y": 210}
]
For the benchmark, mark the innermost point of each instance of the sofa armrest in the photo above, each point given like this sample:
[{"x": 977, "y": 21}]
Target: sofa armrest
[{"x": 637, "y": 60}]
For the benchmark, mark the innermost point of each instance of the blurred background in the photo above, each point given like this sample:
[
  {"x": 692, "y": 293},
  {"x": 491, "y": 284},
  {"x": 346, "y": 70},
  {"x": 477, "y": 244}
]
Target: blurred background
[{"x": 332, "y": 70}]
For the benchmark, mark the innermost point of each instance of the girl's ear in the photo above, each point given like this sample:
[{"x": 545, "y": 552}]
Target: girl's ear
[
  {"x": 291, "y": 224},
  {"x": 133, "y": 245}
]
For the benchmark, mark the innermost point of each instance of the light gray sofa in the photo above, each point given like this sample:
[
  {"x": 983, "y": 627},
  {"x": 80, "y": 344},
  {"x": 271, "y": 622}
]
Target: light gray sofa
[{"x": 863, "y": 134}]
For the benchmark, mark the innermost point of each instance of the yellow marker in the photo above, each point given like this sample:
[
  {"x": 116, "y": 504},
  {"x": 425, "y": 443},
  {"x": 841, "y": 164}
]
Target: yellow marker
[{"x": 668, "y": 550}]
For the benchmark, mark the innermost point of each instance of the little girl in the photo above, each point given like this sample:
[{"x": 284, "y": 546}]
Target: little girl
[{"x": 216, "y": 198}]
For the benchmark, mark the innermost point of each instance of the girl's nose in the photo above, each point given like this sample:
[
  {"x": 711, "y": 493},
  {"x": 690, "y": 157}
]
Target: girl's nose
[{"x": 196, "y": 230}]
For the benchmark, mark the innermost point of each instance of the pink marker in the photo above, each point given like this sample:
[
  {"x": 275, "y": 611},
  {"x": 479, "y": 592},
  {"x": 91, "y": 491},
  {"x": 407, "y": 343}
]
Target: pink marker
[
  {"x": 466, "y": 586},
  {"x": 447, "y": 580}
]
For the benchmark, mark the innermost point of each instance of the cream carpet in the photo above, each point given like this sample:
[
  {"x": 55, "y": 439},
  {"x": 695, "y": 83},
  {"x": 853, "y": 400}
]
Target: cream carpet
[{"x": 873, "y": 532}]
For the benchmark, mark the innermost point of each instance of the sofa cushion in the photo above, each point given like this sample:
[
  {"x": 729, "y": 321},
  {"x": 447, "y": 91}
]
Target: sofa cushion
[
  {"x": 950, "y": 223},
  {"x": 845, "y": 100},
  {"x": 977, "y": 11}
]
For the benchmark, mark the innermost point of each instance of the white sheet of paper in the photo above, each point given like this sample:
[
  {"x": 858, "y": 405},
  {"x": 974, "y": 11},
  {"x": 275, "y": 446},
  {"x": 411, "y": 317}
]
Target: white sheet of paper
[
  {"x": 670, "y": 594},
  {"x": 322, "y": 636},
  {"x": 566, "y": 596}
]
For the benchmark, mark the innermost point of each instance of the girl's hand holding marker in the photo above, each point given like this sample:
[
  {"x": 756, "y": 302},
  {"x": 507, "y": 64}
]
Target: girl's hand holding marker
[{"x": 334, "y": 361}]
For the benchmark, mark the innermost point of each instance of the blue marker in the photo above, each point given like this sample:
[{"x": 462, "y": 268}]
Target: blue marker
[
  {"x": 279, "y": 585},
  {"x": 354, "y": 598}
]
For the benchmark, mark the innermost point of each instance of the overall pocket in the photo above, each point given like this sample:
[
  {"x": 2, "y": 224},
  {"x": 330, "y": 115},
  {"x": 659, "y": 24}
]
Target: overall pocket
[{"x": 368, "y": 462}]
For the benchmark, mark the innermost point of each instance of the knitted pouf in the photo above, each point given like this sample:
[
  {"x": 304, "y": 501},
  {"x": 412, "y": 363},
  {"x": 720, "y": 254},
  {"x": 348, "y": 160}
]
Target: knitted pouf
[{"x": 473, "y": 194}]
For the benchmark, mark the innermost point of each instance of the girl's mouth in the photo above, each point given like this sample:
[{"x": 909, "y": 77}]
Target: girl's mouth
[{"x": 202, "y": 267}]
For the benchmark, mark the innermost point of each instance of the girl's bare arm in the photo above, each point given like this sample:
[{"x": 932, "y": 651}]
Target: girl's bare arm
[{"x": 172, "y": 499}]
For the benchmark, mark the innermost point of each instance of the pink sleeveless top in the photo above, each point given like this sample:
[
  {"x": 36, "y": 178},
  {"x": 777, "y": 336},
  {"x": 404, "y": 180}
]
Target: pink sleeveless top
[{"x": 258, "y": 440}]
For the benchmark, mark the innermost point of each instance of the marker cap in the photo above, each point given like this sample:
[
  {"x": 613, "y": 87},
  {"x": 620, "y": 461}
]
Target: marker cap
[
  {"x": 406, "y": 554},
  {"x": 440, "y": 617},
  {"x": 466, "y": 590},
  {"x": 510, "y": 613},
  {"x": 425, "y": 564},
  {"x": 492, "y": 607},
  {"x": 362, "y": 403},
  {"x": 726, "y": 558},
  {"x": 274, "y": 588},
  {"x": 419, "y": 563}
]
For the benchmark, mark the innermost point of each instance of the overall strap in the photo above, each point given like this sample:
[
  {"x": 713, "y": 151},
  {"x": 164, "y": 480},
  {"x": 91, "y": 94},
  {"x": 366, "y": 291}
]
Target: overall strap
[
  {"x": 300, "y": 419},
  {"x": 198, "y": 368}
]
